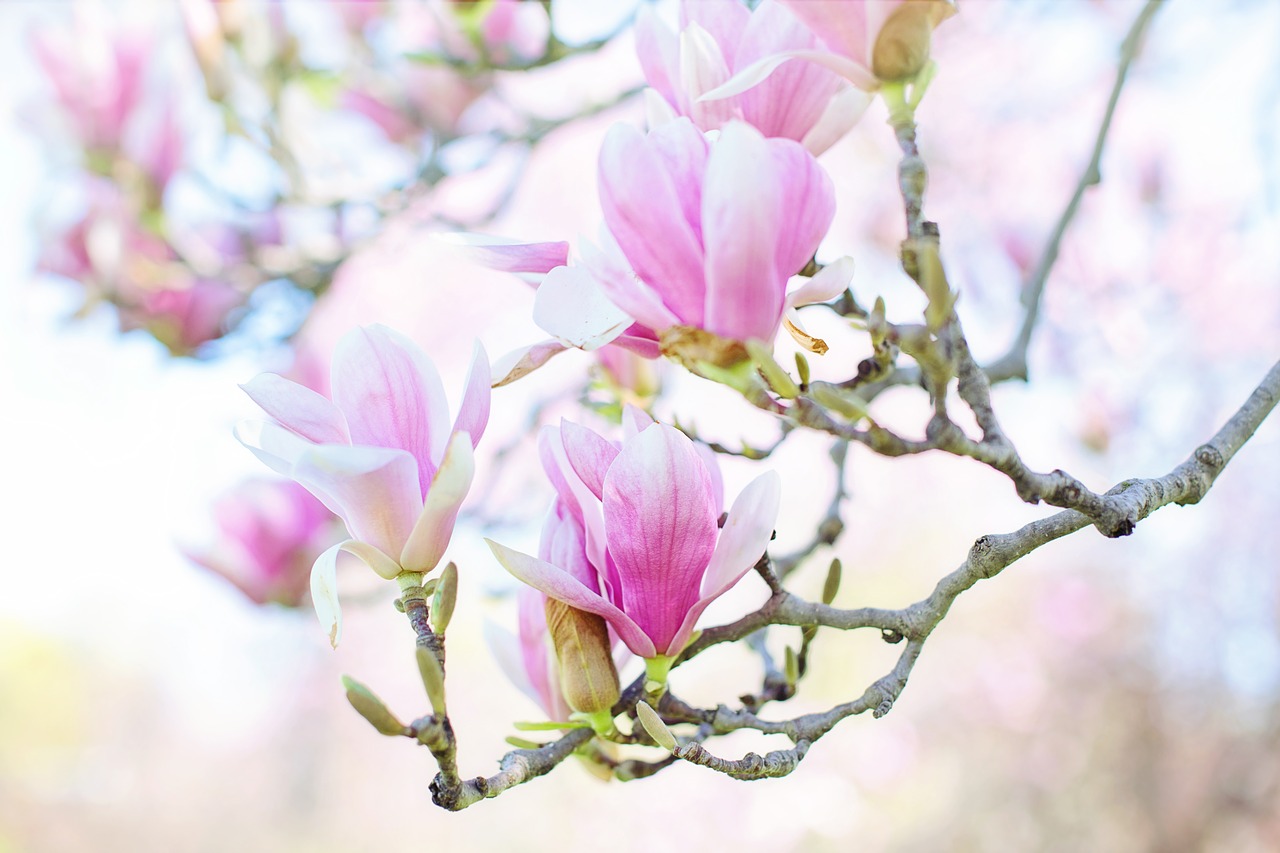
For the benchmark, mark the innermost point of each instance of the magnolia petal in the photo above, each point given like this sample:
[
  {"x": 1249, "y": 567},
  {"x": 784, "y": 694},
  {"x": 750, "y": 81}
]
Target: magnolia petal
[
  {"x": 298, "y": 408},
  {"x": 842, "y": 113},
  {"x": 434, "y": 526},
  {"x": 741, "y": 231},
  {"x": 656, "y": 109},
  {"x": 381, "y": 564},
  {"x": 642, "y": 346},
  {"x": 589, "y": 454},
  {"x": 795, "y": 96},
  {"x": 725, "y": 22},
  {"x": 274, "y": 445},
  {"x": 661, "y": 527},
  {"x": 713, "y": 468},
  {"x": 324, "y": 592},
  {"x": 844, "y": 27},
  {"x": 563, "y": 545},
  {"x": 648, "y": 210},
  {"x": 473, "y": 413},
  {"x": 791, "y": 322},
  {"x": 702, "y": 68},
  {"x": 373, "y": 489},
  {"x": 558, "y": 584},
  {"x": 572, "y": 306},
  {"x": 621, "y": 286},
  {"x": 577, "y": 498},
  {"x": 808, "y": 204},
  {"x": 831, "y": 281},
  {"x": 634, "y": 421},
  {"x": 656, "y": 50},
  {"x": 392, "y": 396},
  {"x": 755, "y": 73},
  {"x": 520, "y": 363},
  {"x": 280, "y": 450},
  {"x": 505, "y": 255},
  {"x": 746, "y": 532}
]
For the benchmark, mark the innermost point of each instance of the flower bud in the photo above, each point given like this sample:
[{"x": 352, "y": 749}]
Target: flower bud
[
  {"x": 588, "y": 677},
  {"x": 371, "y": 708},
  {"x": 902, "y": 48}
]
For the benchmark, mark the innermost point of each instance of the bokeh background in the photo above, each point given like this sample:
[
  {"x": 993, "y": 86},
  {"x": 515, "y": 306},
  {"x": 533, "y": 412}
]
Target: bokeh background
[{"x": 1099, "y": 695}]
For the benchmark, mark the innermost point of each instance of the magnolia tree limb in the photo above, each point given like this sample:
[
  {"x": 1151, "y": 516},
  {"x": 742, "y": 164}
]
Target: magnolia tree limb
[
  {"x": 991, "y": 554},
  {"x": 1186, "y": 484}
]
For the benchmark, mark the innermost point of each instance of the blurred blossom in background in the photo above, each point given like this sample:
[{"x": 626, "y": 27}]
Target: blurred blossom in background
[{"x": 198, "y": 192}]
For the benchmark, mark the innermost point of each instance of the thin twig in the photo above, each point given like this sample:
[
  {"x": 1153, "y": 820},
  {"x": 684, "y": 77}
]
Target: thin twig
[{"x": 1013, "y": 364}]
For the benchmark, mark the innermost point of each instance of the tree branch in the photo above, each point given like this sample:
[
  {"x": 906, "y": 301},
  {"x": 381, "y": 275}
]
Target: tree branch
[{"x": 1013, "y": 364}]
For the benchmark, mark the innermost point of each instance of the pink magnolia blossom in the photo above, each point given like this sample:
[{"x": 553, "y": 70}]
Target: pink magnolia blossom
[
  {"x": 652, "y": 557},
  {"x": 381, "y": 455},
  {"x": 800, "y": 101},
  {"x": 854, "y": 30},
  {"x": 702, "y": 234},
  {"x": 713, "y": 231},
  {"x": 269, "y": 534},
  {"x": 865, "y": 41}
]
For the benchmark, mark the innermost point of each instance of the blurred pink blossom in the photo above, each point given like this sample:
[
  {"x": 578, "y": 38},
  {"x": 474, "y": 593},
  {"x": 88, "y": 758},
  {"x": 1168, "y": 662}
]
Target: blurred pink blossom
[
  {"x": 269, "y": 534},
  {"x": 638, "y": 541},
  {"x": 800, "y": 101},
  {"x": 514, "y": 32},
  {"x": 381, "y": 455},
  {"x": 96, "y": 75},
  {"x": 184, "y": 317}
]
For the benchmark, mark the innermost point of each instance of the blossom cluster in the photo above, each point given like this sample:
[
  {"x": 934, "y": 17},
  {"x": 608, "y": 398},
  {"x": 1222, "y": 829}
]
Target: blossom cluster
[
  {"x": 707, "y": 219},
  {"x": 173, "y": 216}
]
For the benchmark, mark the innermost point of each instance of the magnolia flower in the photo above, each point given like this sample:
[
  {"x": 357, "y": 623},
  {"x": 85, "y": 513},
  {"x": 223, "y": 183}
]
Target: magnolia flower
[
  {"x": 653, "y": 556},
  {"x": 701, "y": 235},
  {"x": 382, "y": 455},
  {"x": 713, "y": 231},
  {"x": 868, "y": 42},
  {"x": 801, "y": 101},
  {"x": 269, "y": 534}
]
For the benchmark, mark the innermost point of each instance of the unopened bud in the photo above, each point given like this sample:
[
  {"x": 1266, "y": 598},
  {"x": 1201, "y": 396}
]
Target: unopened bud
[
  {"x": 802, "y": 368},
  {"x": 657, "y": 729},
  {"x": 902, "y": 47},
  {"x": 371, "y": 708},
  {"x": 850, "y": 406},
  {"x": 446, "y": 596},
  {"x": 588, "y": 678},
  {"x": 432, "y": 675},
  {"x": 832, "y": 585}
]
